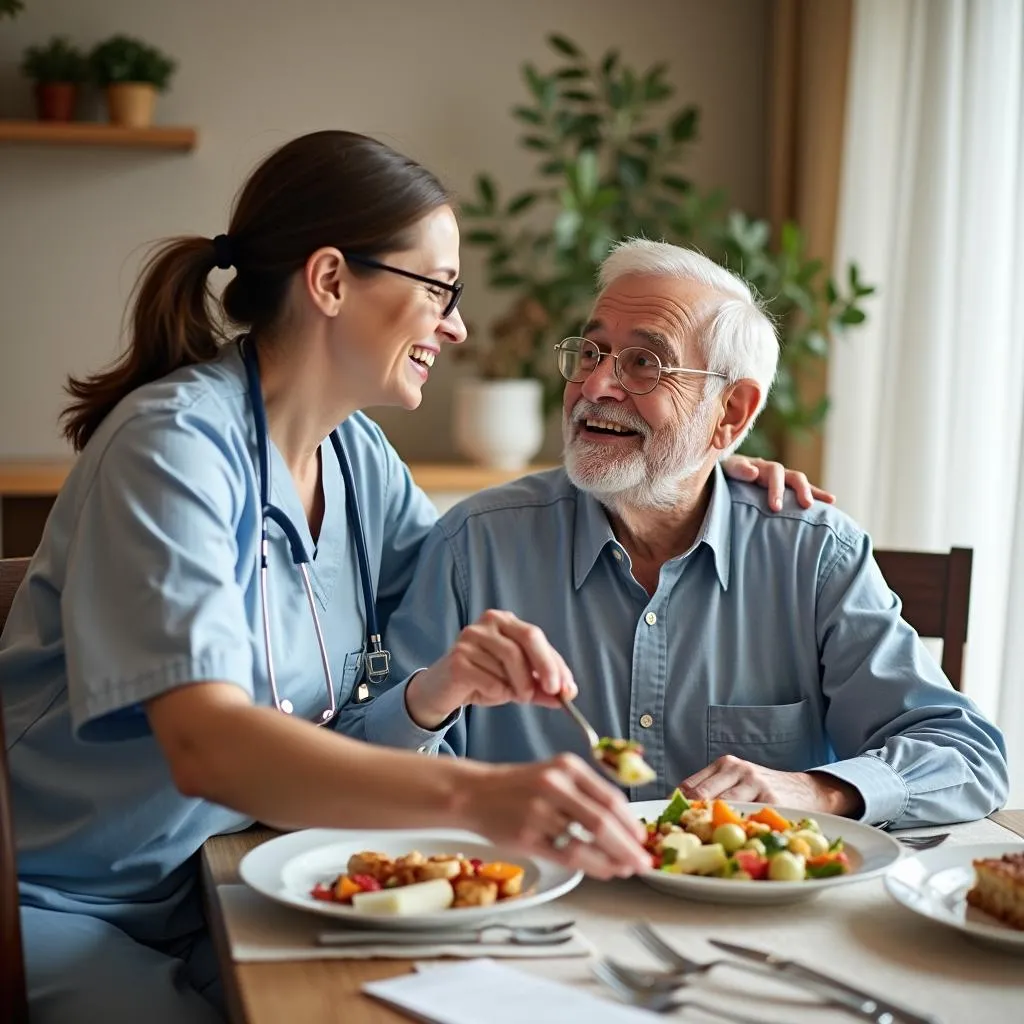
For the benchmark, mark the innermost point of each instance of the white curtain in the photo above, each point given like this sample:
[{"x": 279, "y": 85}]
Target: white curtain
[{"x": 925, "y": 443}]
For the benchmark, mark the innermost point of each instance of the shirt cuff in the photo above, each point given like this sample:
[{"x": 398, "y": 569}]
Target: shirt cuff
[
  {"x": 389, "y": 724},
  {"x": 883, "y": 791}
]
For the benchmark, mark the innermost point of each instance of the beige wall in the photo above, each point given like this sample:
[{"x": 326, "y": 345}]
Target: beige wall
[{"x": 435, "y": 78}]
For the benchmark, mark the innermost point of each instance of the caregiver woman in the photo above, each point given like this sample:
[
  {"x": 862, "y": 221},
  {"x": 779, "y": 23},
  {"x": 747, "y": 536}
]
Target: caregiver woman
[{"x": 206, "y": 592}]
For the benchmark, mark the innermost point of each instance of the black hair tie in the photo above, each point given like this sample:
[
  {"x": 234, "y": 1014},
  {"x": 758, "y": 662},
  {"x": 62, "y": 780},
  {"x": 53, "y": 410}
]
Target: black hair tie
[{"x": 223, "y": 252}]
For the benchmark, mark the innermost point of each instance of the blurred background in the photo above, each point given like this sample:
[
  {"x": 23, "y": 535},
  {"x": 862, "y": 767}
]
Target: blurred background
[{"x": 861, "y": 162}]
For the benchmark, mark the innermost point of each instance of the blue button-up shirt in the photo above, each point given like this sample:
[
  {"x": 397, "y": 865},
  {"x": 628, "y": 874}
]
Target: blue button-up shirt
[{"x": 774, "y": 638}]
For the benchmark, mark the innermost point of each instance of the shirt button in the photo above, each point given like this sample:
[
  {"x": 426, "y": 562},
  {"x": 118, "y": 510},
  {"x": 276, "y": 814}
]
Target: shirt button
[
  {"x": 646, "y": 721},
  {"x": 422, "y": 750},
  {"x": 617, "y": 554},
  {"x": 650, "y": 618}
]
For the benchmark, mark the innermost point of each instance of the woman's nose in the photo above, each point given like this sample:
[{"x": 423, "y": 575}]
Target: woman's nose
[{"x": 452, "y": 329}]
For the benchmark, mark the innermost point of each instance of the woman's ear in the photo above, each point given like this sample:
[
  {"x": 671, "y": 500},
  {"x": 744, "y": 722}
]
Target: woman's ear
[
  {"x": 324, "y": 280},
  {"x": 739, "y": 404}
]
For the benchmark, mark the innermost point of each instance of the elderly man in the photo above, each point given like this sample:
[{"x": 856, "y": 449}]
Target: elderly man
[{"x": 755, "y": 655}]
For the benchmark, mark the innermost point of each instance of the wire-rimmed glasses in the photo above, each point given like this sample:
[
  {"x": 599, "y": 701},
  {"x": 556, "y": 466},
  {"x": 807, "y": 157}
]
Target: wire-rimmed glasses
[
  {"x": 454, "y": 290},
  {"x": 638, "y": 370}
]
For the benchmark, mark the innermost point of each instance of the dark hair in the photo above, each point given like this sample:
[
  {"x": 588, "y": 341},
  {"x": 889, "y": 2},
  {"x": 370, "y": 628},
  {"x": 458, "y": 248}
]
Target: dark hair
[{"x": 329, "y": 188}]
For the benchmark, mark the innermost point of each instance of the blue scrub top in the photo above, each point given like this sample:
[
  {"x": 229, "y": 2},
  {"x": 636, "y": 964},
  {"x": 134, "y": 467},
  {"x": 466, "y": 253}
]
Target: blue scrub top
[{"x": 147, "y": 579}]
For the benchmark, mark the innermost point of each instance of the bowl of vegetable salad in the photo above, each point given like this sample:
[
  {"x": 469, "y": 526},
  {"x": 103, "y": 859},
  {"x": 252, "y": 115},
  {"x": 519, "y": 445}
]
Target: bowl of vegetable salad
[{"x": 725, "y": 852}]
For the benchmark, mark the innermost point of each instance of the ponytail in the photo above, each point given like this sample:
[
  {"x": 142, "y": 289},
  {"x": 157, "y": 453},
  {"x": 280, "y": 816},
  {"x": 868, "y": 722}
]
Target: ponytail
[{"x": 171, "y": 327}]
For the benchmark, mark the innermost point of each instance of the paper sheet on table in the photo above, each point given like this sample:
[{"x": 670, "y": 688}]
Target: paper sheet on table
[{"x": 482, "y": 990}]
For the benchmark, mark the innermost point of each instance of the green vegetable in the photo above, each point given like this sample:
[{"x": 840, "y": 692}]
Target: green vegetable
[
  {"x": 674, "y": 811},
  {"x": 786, "y": 867},
  {"x": 669, "y": 855},
  {"x": 732, "y": 837},
  {"x": 837, "y": 845},
  {"x": 826, "y": 870},
  {"x": 773, "y": 842}
]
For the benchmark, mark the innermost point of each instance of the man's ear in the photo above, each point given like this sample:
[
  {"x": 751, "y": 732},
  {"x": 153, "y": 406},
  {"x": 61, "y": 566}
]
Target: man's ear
[
  {"x": 324, "y": 280},
  {"x": 739, "y": 403}
]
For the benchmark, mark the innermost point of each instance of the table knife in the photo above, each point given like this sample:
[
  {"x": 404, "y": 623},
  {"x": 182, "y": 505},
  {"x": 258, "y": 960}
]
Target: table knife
[{"x": 797, "y": 969}]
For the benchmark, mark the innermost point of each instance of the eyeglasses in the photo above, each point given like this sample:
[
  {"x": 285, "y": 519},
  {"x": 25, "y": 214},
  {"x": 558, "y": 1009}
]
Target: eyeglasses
[
  {"x": 455, "y": 289},
  {"x": 638, "y": 370}
]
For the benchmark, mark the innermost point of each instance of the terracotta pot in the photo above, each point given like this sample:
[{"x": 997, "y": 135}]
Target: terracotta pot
[
  {"x": 131, "y": 104},
  {"x": 55, "y": 101}
]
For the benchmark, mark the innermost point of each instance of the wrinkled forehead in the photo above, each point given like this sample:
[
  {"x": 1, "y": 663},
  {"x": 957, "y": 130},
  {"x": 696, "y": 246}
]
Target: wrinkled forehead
[{"x": 640, "y": 307}]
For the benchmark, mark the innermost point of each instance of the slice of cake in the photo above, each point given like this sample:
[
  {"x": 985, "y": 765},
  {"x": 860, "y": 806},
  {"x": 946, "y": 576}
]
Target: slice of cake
[{"x": 999, "y": 890}]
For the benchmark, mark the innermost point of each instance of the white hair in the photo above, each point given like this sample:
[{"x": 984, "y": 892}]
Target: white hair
[{"x": 737, "y": 337}]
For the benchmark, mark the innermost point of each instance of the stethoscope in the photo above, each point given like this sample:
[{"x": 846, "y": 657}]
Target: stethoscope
[{"x": 376, "y": 659}]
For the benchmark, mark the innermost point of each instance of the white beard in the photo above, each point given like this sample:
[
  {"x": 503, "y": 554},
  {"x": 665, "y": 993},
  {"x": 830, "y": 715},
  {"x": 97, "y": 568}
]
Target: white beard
[{"x": 648, "y": 477}]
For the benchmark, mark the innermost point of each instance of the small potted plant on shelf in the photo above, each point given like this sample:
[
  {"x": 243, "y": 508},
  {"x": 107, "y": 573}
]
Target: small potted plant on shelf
[
  {"x": 57, "y": 70},
  {"x": 131, "y": 73}
]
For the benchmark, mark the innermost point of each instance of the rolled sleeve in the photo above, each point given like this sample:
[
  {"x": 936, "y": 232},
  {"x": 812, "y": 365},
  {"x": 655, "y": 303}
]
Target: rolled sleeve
[
  {"x": 152, "y": 599},
  {"x": 388, "y": 722},
  {"x": 918, "y": 751}
]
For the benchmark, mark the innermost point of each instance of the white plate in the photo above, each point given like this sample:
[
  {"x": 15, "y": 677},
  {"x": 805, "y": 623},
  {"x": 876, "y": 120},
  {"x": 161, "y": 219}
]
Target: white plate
[
  {"x": 871, "y": 853},
  {"x": 286, "y": 869},
  {"x": 934, "y": 884}
]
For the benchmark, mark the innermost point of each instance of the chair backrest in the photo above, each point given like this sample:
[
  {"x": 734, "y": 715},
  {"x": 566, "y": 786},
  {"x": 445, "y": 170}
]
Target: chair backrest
[
  {"x": 935, "y": 589},
  {"x": 13, "y": 996}
]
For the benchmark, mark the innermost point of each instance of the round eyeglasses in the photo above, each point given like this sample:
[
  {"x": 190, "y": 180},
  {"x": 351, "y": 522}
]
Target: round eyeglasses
[{"x": 638, "y": 370}]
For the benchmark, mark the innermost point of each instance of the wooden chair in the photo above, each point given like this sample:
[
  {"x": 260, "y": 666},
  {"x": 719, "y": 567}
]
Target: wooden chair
[
  {"x": 13, "y": 994},
  {"x": 936, "y": 592}
]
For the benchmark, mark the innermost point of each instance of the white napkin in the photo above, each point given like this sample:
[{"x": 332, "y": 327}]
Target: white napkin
[
  {"x": 485, "y": 991},
  {"x": 261, "y": 930}
]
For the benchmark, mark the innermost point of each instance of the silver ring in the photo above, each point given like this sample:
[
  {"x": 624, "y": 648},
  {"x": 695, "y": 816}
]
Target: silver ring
[{"x": 574, "y": 831}]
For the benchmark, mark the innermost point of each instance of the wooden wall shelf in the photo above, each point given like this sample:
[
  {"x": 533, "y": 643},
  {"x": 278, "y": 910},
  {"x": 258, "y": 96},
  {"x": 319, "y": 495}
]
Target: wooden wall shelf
[{"x": 97, "y": 133}]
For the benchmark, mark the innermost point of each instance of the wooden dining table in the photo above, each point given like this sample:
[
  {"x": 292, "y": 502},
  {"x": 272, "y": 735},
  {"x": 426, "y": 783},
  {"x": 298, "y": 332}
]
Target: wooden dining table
[{"x": 329, "y": 991}]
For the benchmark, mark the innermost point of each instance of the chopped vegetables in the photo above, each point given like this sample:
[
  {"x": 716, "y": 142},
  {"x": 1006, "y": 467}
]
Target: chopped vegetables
[
  {"x": 692, "y": 837},
  {"x": 467, "y": 882},
  {"x": 626, "y": 759}
]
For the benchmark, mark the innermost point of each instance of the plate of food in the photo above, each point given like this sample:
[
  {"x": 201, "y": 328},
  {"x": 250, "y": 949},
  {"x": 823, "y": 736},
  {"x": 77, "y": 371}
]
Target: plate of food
[
  {"x": 717, "y": 851},
  {"x": 411, "y": 879},
  {"x": 977, "y": 889}
]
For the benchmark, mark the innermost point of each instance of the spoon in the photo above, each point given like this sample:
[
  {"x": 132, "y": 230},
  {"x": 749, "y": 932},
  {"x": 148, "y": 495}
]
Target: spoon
[{"x": 594, "y": 742}]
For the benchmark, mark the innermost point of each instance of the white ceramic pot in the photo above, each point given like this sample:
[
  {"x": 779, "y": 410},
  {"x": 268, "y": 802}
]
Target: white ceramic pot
[{"x": 499, "y": 423}]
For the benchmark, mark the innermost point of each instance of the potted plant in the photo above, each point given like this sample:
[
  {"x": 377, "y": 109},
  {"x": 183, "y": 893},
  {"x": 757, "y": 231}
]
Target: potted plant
[
  {"x": 609, "y": 168},
  {"x": 10, "y": 8},
  {"x": 131, "y": 74},
  {"x": 57, "y": 69}
]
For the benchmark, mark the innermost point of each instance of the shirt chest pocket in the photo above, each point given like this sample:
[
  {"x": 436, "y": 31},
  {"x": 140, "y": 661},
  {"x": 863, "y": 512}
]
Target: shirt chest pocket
[
  {"x": 774, "y": 735},
  {"x": 350, "y": 675}
]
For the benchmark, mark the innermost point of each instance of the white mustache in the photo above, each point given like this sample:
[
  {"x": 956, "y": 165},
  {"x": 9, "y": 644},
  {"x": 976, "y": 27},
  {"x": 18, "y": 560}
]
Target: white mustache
[{"x": 587, "y": 410}]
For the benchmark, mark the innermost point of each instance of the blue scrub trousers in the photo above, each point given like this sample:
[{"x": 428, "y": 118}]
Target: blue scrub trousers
[{"x": 82, "y": 970}]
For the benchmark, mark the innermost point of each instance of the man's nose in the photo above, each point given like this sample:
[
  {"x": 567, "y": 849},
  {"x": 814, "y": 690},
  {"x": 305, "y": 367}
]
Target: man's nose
[{"x": 602, "y": 382}]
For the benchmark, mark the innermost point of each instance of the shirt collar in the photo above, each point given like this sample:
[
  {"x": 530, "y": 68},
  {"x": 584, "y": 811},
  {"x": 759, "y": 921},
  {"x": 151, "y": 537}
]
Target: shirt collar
[{"x": 593, "y": 532}]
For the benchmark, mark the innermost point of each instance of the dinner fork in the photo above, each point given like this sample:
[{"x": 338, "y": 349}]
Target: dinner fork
[
  {"x": 593, "y": 740},
  {"x": 923, "y": 842},
  {"x": 682, "y": 967},
  {"x": 513, "y": 935},
  {"x": 662, "y": 1001}
]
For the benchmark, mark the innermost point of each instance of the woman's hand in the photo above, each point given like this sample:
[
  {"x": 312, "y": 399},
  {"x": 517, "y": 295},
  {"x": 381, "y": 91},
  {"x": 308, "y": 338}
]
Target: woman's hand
[
  {"x": 776, "y": 478},
  {"x": 496, "y": 660},
  {"x": 530, "y": 806}
]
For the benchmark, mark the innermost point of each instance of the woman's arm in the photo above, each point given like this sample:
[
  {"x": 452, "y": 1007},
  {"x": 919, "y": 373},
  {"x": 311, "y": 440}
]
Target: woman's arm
[{"x": 275, "y": 768}]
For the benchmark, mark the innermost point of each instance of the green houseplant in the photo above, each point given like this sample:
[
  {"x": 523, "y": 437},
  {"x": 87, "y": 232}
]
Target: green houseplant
[
  {"x": 57, "y": 69},
  {"x": 131, "y": 73},
  {"x": 10, "y": 8},
  {"x": 610, "y": 165}
]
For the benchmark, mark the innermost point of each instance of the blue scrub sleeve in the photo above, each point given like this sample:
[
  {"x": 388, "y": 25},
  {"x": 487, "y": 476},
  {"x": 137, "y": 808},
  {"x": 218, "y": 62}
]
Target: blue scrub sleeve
[{"x": 152, "y": 600}]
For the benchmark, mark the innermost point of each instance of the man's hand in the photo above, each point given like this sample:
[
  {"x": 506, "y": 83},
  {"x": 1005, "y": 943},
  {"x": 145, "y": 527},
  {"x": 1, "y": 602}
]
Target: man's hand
[
  {"x": 732, "y": 778},
  {"x": 496, "y": 660}
]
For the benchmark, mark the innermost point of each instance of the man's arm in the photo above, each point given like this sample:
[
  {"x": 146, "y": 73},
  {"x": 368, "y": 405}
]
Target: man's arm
[{"x": 916, "y": 750}]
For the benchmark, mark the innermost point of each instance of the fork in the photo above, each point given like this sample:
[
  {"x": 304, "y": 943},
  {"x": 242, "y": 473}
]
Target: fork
[
  {"x": 593, "y": 740},
  {"x": 514, "y": 935},
  {"x": 923, "y": 842},
  {"x": 682, "y": 967},
  {"x": 661, "y": 1001}
]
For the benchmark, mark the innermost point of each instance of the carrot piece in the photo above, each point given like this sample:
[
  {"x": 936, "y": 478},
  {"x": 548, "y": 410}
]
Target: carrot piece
[
  {"x": 771, "y": 817},
  {"x": 345, "y": 888},
  {"x": 499, "y": 871},
  {"x": 723, "y": 814}
]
